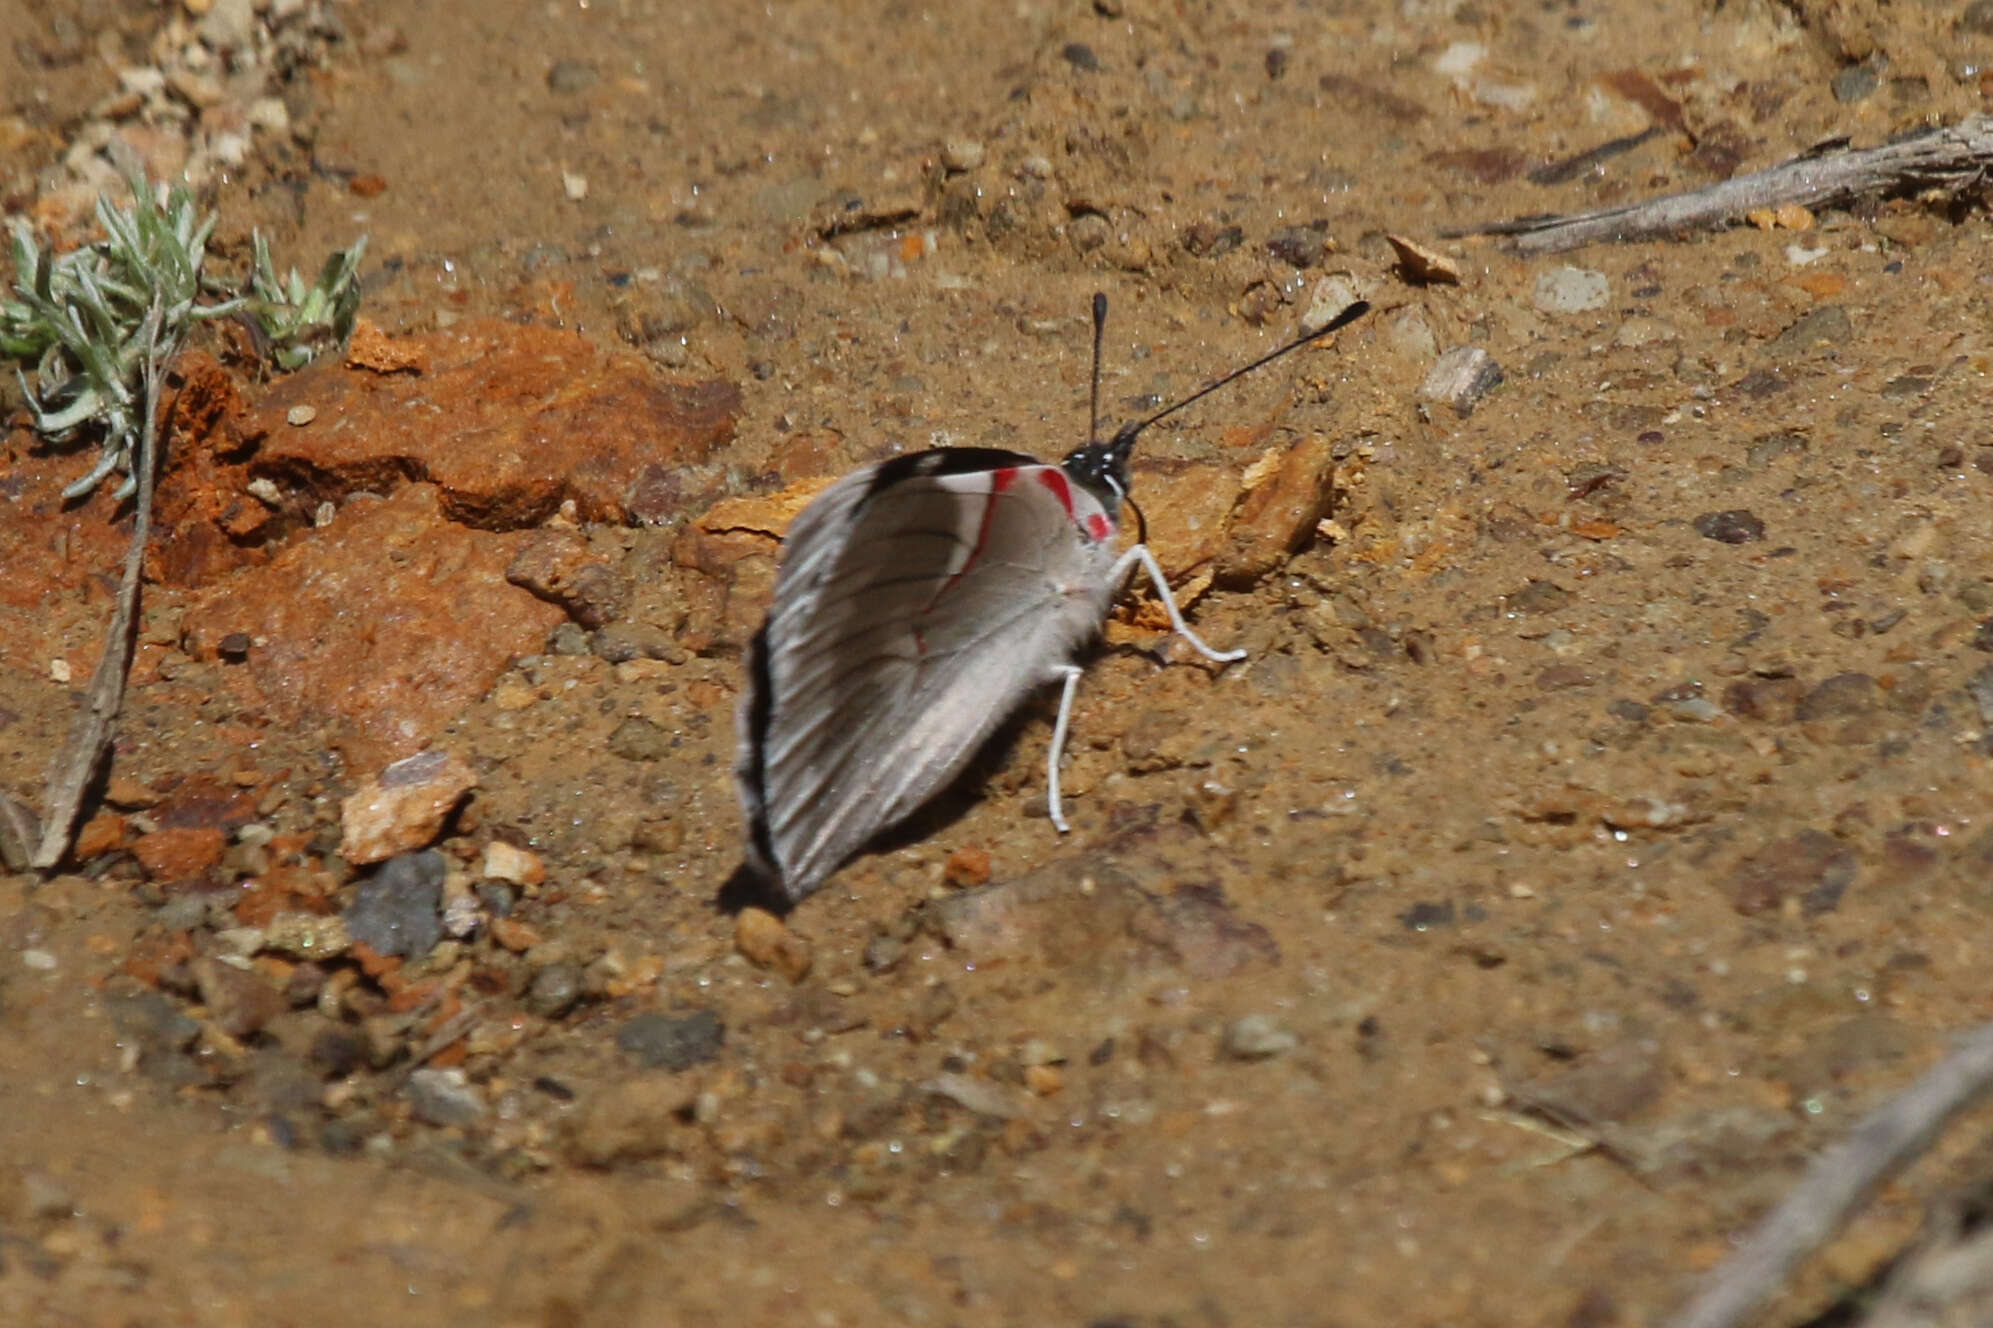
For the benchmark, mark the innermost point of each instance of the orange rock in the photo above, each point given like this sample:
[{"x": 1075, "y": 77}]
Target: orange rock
[
  {"x": 100, "y": 835},
  {"x": 206, "y": 523},
  {"x": 1187, "y": 504},
  {"x": 382, "y": 626},
  {"x": 371, "y": 348},
  {"x": 1278, "y": 514},
  {"x": 509, "y": 421},
  {"x": 177, "y": 857},
  {"x": 767, "y": 942},
  {"x": 967, "y": 866},
  {"x": 513, "y": 935},
  {"x": 403, "y": 808}
]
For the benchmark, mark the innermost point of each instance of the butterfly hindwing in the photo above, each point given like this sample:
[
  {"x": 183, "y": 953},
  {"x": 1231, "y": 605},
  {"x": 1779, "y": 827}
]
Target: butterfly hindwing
[{"x": 920, "y": 600}]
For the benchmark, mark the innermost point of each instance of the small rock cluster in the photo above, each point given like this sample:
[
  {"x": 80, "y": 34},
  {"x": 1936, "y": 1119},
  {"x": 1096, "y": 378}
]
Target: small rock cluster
[{"x": 212, "y": 85}]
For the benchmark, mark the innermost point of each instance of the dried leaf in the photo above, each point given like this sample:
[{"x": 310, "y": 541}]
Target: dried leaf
[{"x": 1423, "y": 266}]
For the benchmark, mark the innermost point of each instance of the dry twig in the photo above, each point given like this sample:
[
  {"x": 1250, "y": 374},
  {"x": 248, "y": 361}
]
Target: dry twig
[
  {"x": 1840, "y": 1180},
  {"x": 1952, "y": 160},
  {"x": 92, "y": 732}
]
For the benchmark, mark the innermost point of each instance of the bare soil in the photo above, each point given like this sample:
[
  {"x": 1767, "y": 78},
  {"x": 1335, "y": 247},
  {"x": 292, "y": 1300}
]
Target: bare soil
[{"x": 1598, "y": 828}]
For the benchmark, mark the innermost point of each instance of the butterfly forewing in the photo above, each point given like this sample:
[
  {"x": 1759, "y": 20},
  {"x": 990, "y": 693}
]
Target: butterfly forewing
[{"x": 915, "y": 609}]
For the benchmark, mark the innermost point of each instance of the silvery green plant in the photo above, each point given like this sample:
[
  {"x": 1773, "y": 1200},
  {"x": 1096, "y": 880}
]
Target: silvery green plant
[
  {"x": 297, "y": 319},
  {"x": 81, "y": 319}
]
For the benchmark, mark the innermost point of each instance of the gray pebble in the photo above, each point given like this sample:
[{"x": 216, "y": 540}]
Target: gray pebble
[
  {"x": 883, "y": 951},
  {"x": 1297, "y": 246},
  {"x": 569, "y": 639},
  {"x": 554, "y": 991},
  {"x": 1255, "y": 1037},
  {"x": 1736, "y": 526},
  {"x": 672, "y": 1042},
  {"x": 1819, "y": 330},
  {"x": 640, "y": 739},
  {"x": 1842, "y": 694},
  {"x": 1571, "y": 290},
  {"x": 398, "y": 910},
  {"x": 444, "y": 1097},
  {"x": 620, "y": 642},
  {"x": 1461, "y": 378},
  {"x": 1980, "y": 688},
  {"x": 182, "y": 912},
  {"x": 569, "y": 77},
  {"x": 1856, "y": 83},
  {"x": 961, "y": 154},
  {"x": 1080, "y": 56}
]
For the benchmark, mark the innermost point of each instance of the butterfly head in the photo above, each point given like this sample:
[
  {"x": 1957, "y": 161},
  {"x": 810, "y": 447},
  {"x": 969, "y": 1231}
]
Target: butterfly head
[{"x": 1101, "y": 468}]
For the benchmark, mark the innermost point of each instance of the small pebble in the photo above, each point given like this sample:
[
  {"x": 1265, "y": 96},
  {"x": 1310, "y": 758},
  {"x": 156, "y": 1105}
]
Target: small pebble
[
  {"x": 768, "y": 943},
  {"x": 444, "y": 1097},
  {"x": 398, "y": 910},
  {"x": 961, "y": 154},
  {"x": 505, "y": 862},
  {"x": 672, "y": 1042},
  {"x": 1460, "y": 378},
  {"x": 1571, "y": 290},
  {"x": 640, "y": 739},
  {"x": 554, "y": 991},
  {"x": 1255, "y": 1037},
  {"x": 1735, "y": 526},
  {"x": 1080, "y": 56},
  {"x": 39, "y": 960},
  {"x": 300, "y": 415}
]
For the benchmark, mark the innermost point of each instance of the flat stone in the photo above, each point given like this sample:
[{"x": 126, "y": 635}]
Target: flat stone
[
  {"x": 768, "y": 943},
  {"x": 444, "y": 1097},
  {"x": 1257, "y": 1037},
  {"x": 1736, "y": 526},
  {"x": 1460, "y": 378},
  {"x": 239, "y": 1000},
  {"x": 531, "y": 418},
  {"x": 1570, "y": 290},
  {"x": 398, "y": 910},
  {"x": 1811, "y": 866},
  {"x": 1286, "y": 497},
  {"x": 181, "y": 856},
  {"x": 1841, "y": 695},
  {"x": 1188, "y": 505},
  {"x": 1617, "y": 1082},
  {"x": 381, "y": 627},
  {"x": 404, "y": 807},
  {"x": 558, "y": 567},
  {"x": 672, "y": 1042},
  {"x": 1820, "y": 329}
]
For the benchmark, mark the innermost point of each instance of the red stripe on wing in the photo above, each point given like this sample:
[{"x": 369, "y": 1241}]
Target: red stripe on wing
[
  {"x": 1001, "y": 481},
  {"x": 1055, "y": 479}
]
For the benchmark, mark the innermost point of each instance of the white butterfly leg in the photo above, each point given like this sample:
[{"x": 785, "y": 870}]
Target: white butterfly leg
[
  {"x": 1072, "y": 672},
  {"x": 1140, "y": 554}
]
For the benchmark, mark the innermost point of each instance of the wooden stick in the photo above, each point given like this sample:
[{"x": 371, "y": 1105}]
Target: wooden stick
[
  {"x": 92, "y": 731},
  {"x": 1840, "y": 1180},
  {"x": 1952, "y": 159}
]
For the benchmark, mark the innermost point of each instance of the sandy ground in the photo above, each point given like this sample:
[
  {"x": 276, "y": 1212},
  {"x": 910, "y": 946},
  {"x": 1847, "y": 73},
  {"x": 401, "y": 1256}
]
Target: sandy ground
[{"x": 1597, "y": 829}]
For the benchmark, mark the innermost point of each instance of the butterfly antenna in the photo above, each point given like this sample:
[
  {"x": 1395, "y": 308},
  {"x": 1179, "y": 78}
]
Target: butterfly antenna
[
  {"x": 1099, "y": 328},
  {"x": 1126, "y": 436}
]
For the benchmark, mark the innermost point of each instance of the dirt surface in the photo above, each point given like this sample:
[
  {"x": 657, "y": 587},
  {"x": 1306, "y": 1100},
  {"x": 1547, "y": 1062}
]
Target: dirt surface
[{"x": 1598, "y": 827}]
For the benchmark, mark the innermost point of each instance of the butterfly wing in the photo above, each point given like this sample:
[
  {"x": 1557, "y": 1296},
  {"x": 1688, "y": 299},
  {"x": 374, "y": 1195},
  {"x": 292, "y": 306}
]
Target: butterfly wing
[{"x": 918, "y": 602}]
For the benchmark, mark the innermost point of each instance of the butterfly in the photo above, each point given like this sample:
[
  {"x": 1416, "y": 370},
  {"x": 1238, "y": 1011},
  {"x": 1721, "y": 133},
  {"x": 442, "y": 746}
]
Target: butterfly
[{"x": 919, "y": 601}]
